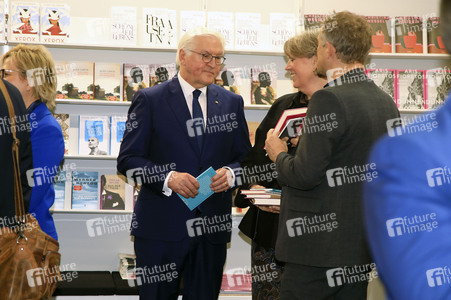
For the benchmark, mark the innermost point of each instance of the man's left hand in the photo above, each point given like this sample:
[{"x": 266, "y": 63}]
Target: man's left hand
[
  {"x": 274, "y": 145},
  {"x": 219, "y": 182}
]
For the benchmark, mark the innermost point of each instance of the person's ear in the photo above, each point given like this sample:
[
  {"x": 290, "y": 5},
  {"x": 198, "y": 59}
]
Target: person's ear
[
  {"x": 330, "y": 50},
  {"x": 182, "y": 56}
]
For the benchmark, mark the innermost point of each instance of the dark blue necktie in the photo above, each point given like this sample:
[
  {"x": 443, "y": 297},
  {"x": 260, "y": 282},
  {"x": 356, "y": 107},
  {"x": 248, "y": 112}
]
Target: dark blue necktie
[{"x": 198, "y": 118}]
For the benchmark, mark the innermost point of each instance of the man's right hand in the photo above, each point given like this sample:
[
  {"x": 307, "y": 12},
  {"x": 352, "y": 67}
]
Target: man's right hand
[{"x": 183, "y": 184}]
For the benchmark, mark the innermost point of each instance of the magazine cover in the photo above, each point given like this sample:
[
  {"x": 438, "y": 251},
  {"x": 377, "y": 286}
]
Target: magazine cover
[
  {"x": 264, "y": 85},
  {"x": 281, "y": 28},
  {"x": 438, "y": 87},
  {"x": 24, "y": 20},
  {"x": 160, "y": 28},
  {"x": 435, "y": 41},
  {"x": 55, "y": 23},
  {"x": 230, "y": 79},
  {"x": 411, "y": 89},
  {"x": 94, "y": 135},
  {"x": 85, "y": 191},
  {"x": 248, "y": 31},
  {"x": 385, "y": 79},
  {"x": 64, "y": 121},
  {"x": 60, "y": 189},
  {"x": 75, "y": 80},
  {"x": 381, "y": 37},
  {"x": 136, "y": 77},
  {"x": 223, "y": 23},
  {"x": 124, "y": 26},
  {"x": 190, "y": 20},
  {"x": 118, "y": 125},
  {"x": 107, "y": 81},
  {"x": 408, "y": 34},
  {"x": 112, "y": 191},
  {"x": 160, "y": 73}
]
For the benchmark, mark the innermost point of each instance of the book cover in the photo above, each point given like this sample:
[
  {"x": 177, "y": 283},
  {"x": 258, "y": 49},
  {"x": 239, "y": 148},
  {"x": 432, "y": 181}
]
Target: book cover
[
  {"x": 85, "y": 191},
  {"x": 75, "y": 80},
  {"x": 223, "y": 23},
  {"x": 94, "y": 135},
  {"x": 248, "y": 33},
  {"x": 127, "y": 266},
  {"x": 408, "y": 34},
  {"x": 160, "y": 73},
  {"x": 64, "y": 121},
  {"x": 205, "y": 191},
  {"x": 411, "y": 89},
  {"x": 281, "y": 28},
  {"x": 107, "y": 81},
  {"x": 2, "y": 21},
  {"x": 124, "y": 26},
  {"x": 435, "y": 41},
  {"x": 59, "y": 185},
  {"x": 385, "y": 79},
  {"x": 24, "y": 22},
  {"x": 381, "y": 41},
  {"x": 291, "y": 114},
  {"x": 112, "y": 191},
  {"x": 267, "y": 201},
  {"x": 264, "y": 84},
  {"x": 313, "y": 21},
  {"x": 118, "y": 125},
  {"x": 437, "y": 88},
  {"x": 160, "y": 27},
  {"x": 190, "y": 20},
  {"x": 230, "y": 79},
  {"x": 55, "y": 23},
  {"x": 136, "y": 77}
]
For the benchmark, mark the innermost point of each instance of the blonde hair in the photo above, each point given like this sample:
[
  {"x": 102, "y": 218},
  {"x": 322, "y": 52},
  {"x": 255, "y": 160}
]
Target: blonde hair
[
  {"x": 31, "y": 57},
  {"x": 303, "y": 45}
]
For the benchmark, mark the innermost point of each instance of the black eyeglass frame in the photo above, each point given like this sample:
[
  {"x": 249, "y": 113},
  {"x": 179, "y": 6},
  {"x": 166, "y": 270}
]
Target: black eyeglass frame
[{"x": 207, "y": 58}]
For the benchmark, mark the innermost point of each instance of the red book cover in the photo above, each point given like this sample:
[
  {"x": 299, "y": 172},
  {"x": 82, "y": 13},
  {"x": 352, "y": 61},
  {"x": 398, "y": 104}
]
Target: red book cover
[
  {"x": 288, "y": 115},
  {"x": 381, "y": 37},
  {"x": 435, "y": 42},
  {"x": 409, "y": 34}
]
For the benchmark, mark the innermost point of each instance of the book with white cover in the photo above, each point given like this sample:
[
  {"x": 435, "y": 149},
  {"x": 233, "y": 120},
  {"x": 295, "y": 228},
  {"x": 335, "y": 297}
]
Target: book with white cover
[
  {"x": 107, "y": 81},
  {"x": 55, "y": 23},
  {"x": 2, "y": 21},
  {"x": 24, "y": 20},
  {"x": 160, "y": 28},
  {"x": 438, "y": 87},
  {"x": 124, "y": 26},
  {"x": 118, "y": 125},
  {"x": 223, "y": 23},
  {"x": 191, "y": 19},
  {"x": 94, "y": 135},
  {"x": 385, "y": 79},
  {"x": 281, "y": 28},
  {"x": 248, "y": 33},
  {"x": 411, "y": 89},
  {"x": 85, "y": 190}
]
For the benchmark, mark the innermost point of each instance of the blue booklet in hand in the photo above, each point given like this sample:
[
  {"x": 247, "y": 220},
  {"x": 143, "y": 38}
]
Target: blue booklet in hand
[{"x": 205, "y": 191}]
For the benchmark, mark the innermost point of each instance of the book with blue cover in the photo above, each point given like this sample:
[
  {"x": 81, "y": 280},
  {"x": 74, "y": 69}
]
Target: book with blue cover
[
  {"x": 60, "y": 188},
  {"x": 85, "y": 190},
  {"x": 205, "y": 191}
]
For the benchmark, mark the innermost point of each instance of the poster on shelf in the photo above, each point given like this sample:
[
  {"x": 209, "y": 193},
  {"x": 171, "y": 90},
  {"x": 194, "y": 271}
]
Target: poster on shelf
[
  {"x": 381, "y": 34},
  {"x": 118, "y": 125},
  {"x": 135, "y": 78},
  {"x": 64, "y": 121},
  {"x": 160, "y": 28},
  {"x": 248, "y": 31},
  {"x": 85, "y": 190},
  {"x": 107, "y": 81},
  {"x": 55, "y": 23},
  {"x": 94, "y": 135},
  {"x": 411, "y": 89},
  {"x": 160, "y": 73},
  {"x": 190, "y": 20},
  {"x": 75, "y": 80},
  {"x": 281, "y": 28},
  {"x": 124, "y": 26},
  {"x": 223, "y": 23},
  {"x": 24, "y": 26},
  {"x": 438, "y": 87},
  {"x": 434, "y": 36},
  {"x": 408, "y": 34}
]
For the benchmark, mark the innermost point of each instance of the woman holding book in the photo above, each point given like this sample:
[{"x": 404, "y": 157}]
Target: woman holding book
[
  {"x": 261, "y": 222},
  {"x": 31, "y": 70}
]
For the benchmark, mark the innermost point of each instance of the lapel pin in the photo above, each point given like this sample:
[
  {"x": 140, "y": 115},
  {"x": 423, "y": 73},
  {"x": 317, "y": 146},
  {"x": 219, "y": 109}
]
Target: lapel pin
[{"x": 216, "y": 102}]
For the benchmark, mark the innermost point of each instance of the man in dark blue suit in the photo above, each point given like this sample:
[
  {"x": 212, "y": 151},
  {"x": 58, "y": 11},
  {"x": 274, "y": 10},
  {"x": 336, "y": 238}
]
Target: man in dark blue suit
[{"x": 177, "y": 130}]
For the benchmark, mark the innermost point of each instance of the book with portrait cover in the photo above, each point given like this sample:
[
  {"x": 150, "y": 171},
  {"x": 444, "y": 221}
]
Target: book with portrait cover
[
  {"x": 408, "y": 34},
  {"x": 64, "y": 121},
  {"x": 411, "y": 92},
  {"x": 160, "y": 73},
  {"x": 435, "y": 41},
  {"x": 385, "y": 79},
  {"x": 112, "y": 191},
  {"x": 135, "y": 77},
  {"x": 55, "y": 23},
  {"x": 230, "y": 79},
  {"x": 107, "y": 81},
  {"x": 438, "y": 87},
  {"x": 85, "y": 190},
  {"x": 59, "y": 184},
  {"x": 381, "y": 41},
  {"x": 313, "y": 21},
  {"x": 160, "y": 28},
  {"x": 264, "y": 85},
  {"x": 94, "y": 135},
  {"x": 190, "y": 19},
  {"x": 223, "y": 23},
  {"x": 248, "y": 31},
  {"x": 281, "y": 28},
  {"x": 75, "y": 80},
  {"x": 118, "y": 125},
  {"x": 24, "y": 22},
  {"x": 124, "y": 26}
]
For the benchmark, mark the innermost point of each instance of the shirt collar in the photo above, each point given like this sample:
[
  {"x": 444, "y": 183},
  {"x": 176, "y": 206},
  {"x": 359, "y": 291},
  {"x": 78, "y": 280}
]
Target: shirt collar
[
  {"x": 188, "y": 89},
  {"x": 33, "y": 105}
]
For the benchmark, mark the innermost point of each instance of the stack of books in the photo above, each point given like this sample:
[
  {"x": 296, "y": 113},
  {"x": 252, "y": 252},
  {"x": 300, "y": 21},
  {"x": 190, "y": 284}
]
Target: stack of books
[
  {"x": 127, "y": 266},
  {"x": 263, "y": 196}
]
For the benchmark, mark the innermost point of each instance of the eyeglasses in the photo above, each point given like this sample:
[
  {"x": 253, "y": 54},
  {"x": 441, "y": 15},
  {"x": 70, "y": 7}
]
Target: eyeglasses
[
  {"x": 3, "y": 72},
  {"x": 207, "y": 57}
]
